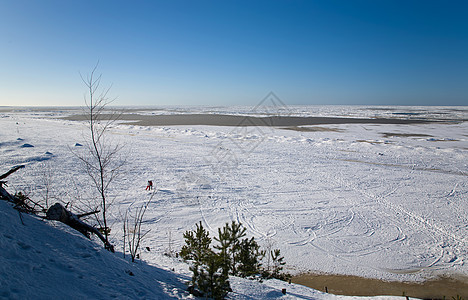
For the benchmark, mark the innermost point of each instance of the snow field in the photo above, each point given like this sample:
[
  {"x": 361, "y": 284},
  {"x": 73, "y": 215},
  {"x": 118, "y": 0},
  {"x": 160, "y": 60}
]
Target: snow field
[
  {"x": 48, "y": 260},
  {"x": 356, "y": 201}
]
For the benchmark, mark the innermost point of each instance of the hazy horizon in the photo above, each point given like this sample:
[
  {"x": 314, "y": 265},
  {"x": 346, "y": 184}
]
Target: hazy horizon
[{"x": 155, "y": 106}]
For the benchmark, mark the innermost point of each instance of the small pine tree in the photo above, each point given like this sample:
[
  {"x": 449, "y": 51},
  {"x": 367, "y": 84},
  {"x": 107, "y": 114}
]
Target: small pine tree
[
  {"x": 208, "y": 277},
  {"x": 235, "y": 232},
  {"x": 249, "y": 257},
  {"x": 237, "y": 257},
  {"x": 196, "y": 249},
  {"x": 197, "y": 244},
  {"x": 278, "y": 263},
  {"x": 224, "y": 246},
  {"x": 213, "y": 280}
]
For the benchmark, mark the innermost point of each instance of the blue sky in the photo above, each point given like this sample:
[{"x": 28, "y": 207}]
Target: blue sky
[{"x": 235, "y": 52}]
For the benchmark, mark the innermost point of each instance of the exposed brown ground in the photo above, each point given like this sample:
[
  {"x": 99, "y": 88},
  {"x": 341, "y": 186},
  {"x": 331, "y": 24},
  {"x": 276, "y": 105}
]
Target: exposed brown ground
[
  {"x": 234, "y": 120},
  {"x": 312, "y": 129},
  {"x": 370, "y": 142},
  {"x": 357, "y": 286},
  {"x": 392, "y": 134}
]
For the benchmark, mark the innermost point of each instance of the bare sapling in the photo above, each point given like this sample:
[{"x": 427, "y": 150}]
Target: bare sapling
[
  {"x": 133, "y": 233},
  {"x": 101, "y": 156},
  {"x": 47, "y": 188},
  {"x": 170, "y": 242},
  {"x": 268, "y": 251}
]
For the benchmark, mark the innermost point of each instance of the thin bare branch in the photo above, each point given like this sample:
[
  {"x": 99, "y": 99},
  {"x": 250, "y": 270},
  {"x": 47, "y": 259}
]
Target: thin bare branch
[{"x": 100, "y": 158}]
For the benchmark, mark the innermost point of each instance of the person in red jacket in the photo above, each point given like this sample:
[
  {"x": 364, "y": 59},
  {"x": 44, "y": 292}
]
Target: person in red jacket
[{"x": 150, "y": 185}]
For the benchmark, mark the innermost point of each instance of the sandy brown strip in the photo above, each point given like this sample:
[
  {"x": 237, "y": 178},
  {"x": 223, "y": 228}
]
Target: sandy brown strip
[
  {"x": 231, "y": 120},
  {"x": 312, "y": 129},
  {"x": 358, "y": 286},
  {"x": 416, "y": 135}
]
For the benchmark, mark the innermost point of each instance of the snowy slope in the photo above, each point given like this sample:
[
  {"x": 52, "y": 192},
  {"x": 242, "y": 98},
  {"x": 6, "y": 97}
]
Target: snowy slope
[{"x": 46, "y": 260}]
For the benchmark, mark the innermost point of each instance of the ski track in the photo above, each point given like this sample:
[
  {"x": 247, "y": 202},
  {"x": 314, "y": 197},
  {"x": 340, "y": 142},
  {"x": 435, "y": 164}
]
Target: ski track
[
  {"x": 409, "y": 218},
  {"x": 416, "y": 219}
]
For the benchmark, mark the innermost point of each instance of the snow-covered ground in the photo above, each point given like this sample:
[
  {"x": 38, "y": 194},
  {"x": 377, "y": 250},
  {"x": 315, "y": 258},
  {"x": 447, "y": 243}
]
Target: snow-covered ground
[
  {"x": 48, "y": 260},
  {"x": 374, "y": 200}
]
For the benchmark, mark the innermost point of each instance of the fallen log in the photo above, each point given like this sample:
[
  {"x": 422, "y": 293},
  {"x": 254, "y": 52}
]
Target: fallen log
[
  {"x": 55, "y": 212},
  {"x": 13, "y": 170},
  {"x": 4, "y": 194},
  {"x": 59, "y": 213}
]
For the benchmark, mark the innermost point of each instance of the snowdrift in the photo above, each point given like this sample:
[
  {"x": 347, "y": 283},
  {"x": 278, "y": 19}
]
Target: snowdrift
[{"x": 47, "y": 260}]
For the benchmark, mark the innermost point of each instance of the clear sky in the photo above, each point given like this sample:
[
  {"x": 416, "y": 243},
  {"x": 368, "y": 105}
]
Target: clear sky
[{"x": 235, "y": 52}]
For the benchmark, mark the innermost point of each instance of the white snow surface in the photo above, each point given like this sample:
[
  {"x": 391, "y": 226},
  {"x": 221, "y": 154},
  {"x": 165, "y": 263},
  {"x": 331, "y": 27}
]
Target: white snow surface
[
  {"x": 42, "y": 259},
  {"x": 373, "y": 200}
]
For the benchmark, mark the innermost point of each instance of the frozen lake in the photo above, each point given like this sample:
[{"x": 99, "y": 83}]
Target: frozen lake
[{"x": 378, "y": 200}]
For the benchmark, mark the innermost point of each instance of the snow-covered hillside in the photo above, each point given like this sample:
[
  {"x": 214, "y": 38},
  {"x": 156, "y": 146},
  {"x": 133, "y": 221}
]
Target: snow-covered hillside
[{"x": 47, "y": 260}]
